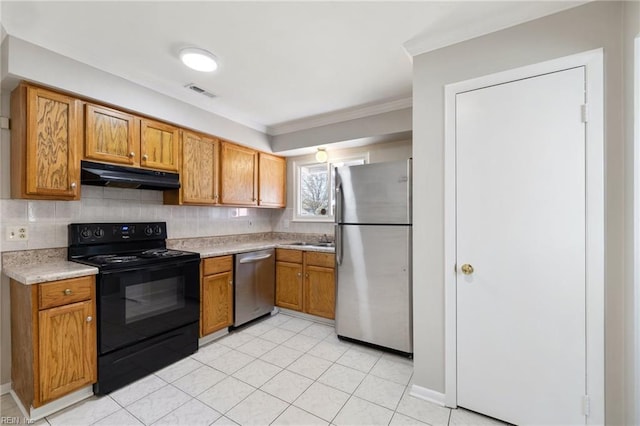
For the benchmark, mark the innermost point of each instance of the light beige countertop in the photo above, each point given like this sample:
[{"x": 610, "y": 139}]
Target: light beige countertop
[
  {"x": 44, "y": 272},
  {"x": 243, "y": 247},
  {"x": 39, "y": 266}
]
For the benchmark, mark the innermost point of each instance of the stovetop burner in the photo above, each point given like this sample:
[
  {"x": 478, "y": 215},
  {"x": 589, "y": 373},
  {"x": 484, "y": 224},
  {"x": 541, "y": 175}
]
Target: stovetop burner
[
  {"x": 111, "y": 258},
  {"x": 160, "y": 253}
]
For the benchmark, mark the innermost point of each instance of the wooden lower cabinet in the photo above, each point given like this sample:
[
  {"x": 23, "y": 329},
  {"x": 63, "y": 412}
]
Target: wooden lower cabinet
[
  {"x": 289, "y": 285},
  {"x": 305, "y": 282},
  {"x": 216, "y": 294},
  {"x": 320, "y": 291},
  {"x": 53, "y": 337}
]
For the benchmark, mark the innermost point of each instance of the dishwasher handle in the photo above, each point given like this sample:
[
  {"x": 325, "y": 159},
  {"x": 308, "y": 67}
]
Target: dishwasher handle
[{"x": 255, "y": 258}]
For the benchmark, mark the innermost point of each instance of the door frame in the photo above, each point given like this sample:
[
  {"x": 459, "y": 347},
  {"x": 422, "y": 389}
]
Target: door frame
[{"x": 594, "y": 257}]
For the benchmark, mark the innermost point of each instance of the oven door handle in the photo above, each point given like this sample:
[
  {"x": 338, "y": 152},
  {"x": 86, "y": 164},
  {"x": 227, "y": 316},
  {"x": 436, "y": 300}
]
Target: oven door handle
[
  {"x": 152, "y": 267},
  {"x": 255, "y": 258}
]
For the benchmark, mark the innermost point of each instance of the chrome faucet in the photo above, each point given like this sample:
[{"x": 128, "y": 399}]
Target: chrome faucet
[{"x": 325, "y": 239}]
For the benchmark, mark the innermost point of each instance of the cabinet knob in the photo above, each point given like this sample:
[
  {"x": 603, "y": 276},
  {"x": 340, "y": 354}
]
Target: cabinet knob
[
  {"x": 67, "y": 291},
  {"x": 132, "y": 154},
  {"x": 73, "y": 185},
  {"x": 299, "y": 274},
  {"x": 306, "y": 275},
  {"x": 230, "y": 282},
  {"x": 89, "y": 318},
  {"x": 253, "y": 199},
  {"x": 145, "y": 157}
]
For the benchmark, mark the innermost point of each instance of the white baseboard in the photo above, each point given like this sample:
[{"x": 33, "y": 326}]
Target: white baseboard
[
  {"x": 5, "y": 388},
  {"x": 427, "y": 395},
  {"x": 34, "y": 414}
]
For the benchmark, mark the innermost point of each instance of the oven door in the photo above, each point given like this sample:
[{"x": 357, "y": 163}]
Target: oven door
[{"x": 140, "y": 303}]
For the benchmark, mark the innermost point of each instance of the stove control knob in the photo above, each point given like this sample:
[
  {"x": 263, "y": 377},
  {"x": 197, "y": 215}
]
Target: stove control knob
[
  {"x": 157, "y": 230},
  {"x": 85, "y": 233},
  {"x": 148, "y": 231},
  {"x": 99, "y": 233}
]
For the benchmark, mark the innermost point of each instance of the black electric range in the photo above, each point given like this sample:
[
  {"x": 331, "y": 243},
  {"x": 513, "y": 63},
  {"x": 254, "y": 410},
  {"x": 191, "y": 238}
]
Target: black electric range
[{"x": 147, "y": 298}]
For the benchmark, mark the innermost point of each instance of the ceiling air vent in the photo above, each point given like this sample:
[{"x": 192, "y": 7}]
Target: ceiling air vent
[{"x": 200, "y": 90}]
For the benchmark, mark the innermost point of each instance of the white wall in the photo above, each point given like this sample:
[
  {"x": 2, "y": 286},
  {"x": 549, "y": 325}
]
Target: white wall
[
  {"x": 5, "y": 371},
  {"x": 594, "y": 25},
  {"x": 283, "y": 219},
  {"x": 631, "y": 42}
]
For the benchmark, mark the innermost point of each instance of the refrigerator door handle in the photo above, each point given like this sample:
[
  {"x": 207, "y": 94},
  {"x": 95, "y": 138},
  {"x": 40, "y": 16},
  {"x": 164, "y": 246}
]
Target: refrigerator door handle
[
  {"x": 338, "y": 236},
  {"x": 339, "y": 203}
]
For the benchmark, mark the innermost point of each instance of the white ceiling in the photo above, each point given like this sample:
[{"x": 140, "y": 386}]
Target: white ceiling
[{"x": 280, "y": 61}]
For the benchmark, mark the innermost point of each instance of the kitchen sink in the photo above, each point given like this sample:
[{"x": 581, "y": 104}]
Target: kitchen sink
[{"x": 302, "y": 243}]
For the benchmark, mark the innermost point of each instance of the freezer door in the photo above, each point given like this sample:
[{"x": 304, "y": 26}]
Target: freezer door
[
  {"x": 374, "y": 193},
  {"x": 373, "y": 301}
]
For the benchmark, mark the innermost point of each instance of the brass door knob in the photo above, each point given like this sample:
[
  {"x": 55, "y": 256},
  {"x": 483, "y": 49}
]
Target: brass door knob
[
  {"x": 132, "y": 154},
  {"x": 67, "y": 291},
  {"x": 467, "y": 269}
]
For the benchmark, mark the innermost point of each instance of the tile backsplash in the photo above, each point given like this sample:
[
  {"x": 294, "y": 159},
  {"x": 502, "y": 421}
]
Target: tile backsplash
[{"x": 47, "y": 220}]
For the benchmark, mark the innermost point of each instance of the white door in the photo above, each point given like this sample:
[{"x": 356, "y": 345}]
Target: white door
[{"x": 520, "y": 200}]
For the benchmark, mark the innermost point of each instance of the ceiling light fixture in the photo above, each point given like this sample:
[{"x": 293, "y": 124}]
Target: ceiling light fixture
[
  {"x": 198, "y": 59},
  {"x": 321, "y": 155}
]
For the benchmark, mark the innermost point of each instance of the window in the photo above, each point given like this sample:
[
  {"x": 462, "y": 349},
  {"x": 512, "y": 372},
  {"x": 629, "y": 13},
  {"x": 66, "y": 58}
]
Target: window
[{"x": 314, "y": 198}]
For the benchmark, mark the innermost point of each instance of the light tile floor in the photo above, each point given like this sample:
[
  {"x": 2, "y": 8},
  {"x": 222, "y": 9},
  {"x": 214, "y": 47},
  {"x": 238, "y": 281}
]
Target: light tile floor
[{"x": 282, "y": 370}]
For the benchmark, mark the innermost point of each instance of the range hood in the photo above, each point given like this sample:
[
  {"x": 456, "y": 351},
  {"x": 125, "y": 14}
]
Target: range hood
[{"x": 127, "y": 177}]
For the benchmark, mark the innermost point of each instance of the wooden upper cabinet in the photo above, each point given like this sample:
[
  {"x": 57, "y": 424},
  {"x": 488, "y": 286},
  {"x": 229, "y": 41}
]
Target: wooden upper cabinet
[
  {"x": 238, "y": 174},
  {"x": 198, "y": 172},
  {"x": 46, "y": 134},
  {"x": 111, "y": 136},
  {"x": 159, "y": 145},
  {"x": 272, "y": 180}
]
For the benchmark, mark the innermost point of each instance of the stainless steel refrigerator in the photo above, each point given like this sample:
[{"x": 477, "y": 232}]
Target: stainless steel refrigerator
[{"x": 373, "y": 254}]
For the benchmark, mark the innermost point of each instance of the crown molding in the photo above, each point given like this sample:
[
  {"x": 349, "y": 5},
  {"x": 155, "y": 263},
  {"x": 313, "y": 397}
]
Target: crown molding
[
  {"x": 428, "y": 42},
  {"x": 339, "y": 116}
]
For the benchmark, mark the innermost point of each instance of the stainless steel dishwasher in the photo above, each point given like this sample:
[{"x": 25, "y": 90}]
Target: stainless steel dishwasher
[{"x": 254, "y": 285}]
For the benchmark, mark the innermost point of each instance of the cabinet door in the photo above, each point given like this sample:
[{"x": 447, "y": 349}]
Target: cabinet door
[
  {"x": 110, "y": 136},
  {"x": 199, "y": 169},
  {"x": 67, "y": 349},
  {"x": 238, "y": 174},
  {"x": 289, "y": 285},
  {"x": 320, "y": 291},
  {"x": 45, "y": 145},
  {"x": 159, "y": 145},
  {"x": 272, "y": 180},
  {"x": 217, "y": 303}
]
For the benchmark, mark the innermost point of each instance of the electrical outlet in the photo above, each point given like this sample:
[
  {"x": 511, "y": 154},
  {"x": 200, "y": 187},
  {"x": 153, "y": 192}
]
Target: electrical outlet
[{"x": 17, "y": 233}]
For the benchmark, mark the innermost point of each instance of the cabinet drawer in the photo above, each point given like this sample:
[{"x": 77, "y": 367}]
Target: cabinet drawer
[
  {"x": 327, "y": 260},
  {"x": 63, "y": 292},
  {"x": 215, "y": 265},
  {"x": 286, "y": 255}
]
